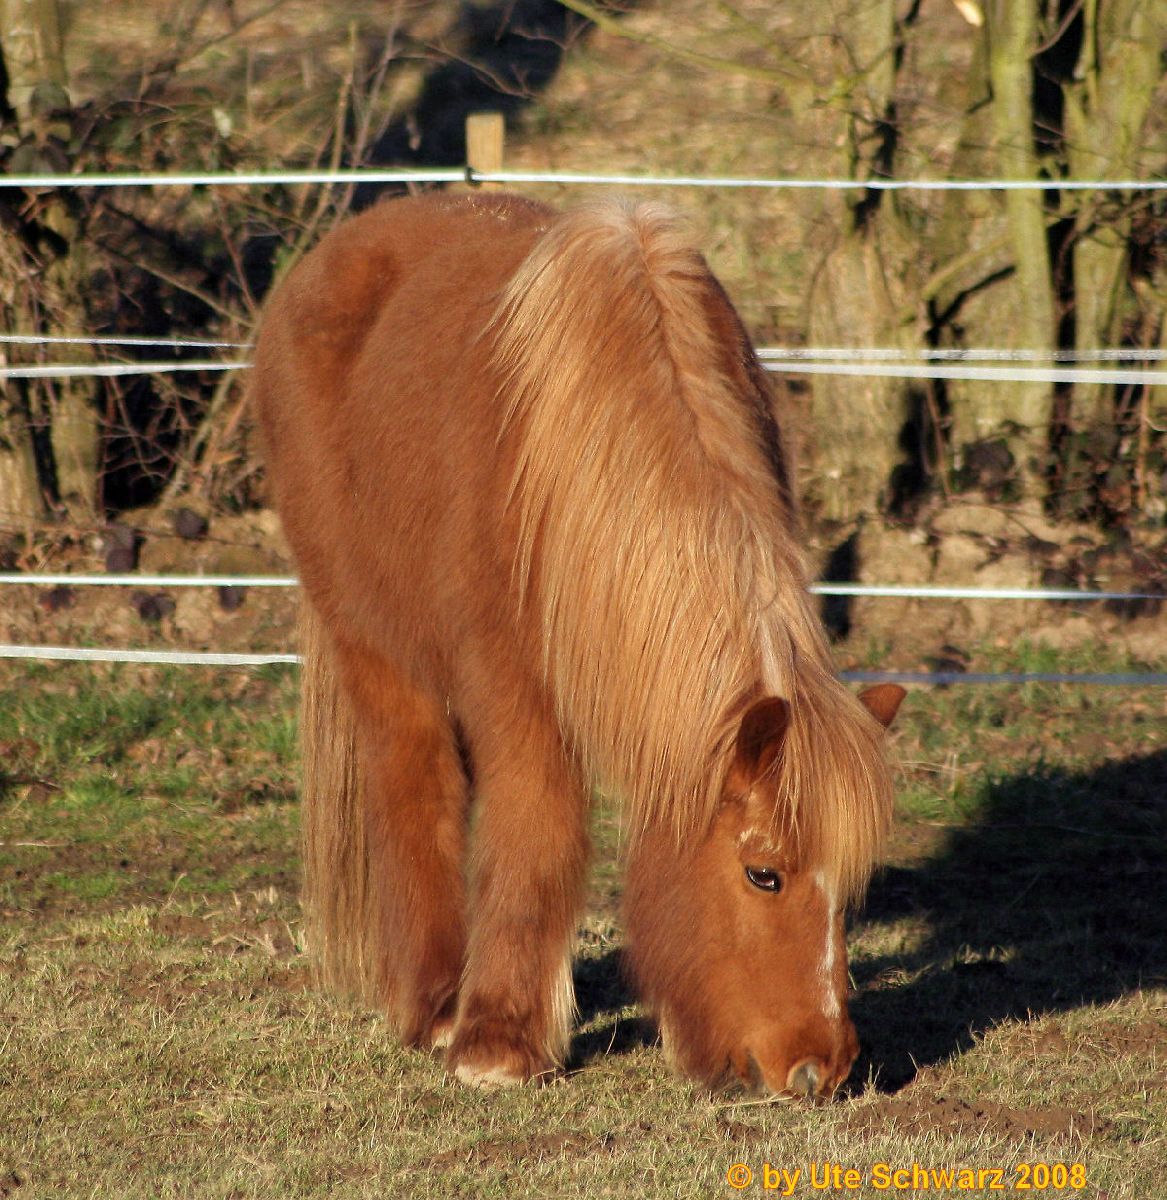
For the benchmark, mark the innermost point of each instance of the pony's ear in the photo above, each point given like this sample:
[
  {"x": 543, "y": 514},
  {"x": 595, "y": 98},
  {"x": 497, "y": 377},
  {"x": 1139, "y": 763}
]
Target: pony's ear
[
  {"x": 883, "y": 701},
  {"x": 759, "y": 738}
]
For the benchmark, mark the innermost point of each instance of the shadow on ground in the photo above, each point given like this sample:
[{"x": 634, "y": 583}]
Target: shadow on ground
[
  {"x": 1054, "y": 899},
  {"x": 602, "y": 993},
  {"x": 507, "y": 54}
]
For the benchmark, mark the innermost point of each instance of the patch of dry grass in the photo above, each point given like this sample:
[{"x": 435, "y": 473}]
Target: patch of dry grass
[{"x": 159, "y": 1037}]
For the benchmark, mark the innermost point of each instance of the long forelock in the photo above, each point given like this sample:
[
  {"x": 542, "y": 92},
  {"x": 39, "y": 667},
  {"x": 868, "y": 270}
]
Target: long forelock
[{"x": 833, "y": 798}]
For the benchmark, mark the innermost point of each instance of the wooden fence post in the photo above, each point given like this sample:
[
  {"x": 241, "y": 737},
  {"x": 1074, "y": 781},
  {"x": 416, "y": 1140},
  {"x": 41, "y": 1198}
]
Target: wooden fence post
[{"x": 485, "y": 135}]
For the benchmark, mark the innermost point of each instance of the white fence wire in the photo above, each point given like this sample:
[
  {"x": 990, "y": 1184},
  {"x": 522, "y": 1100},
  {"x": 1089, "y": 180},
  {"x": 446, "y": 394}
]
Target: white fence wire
[
  {"x": 934, "y": 678},
  {"x": 46, "y": 339},
  {"x": 206, "y": 658},
  {"x": 113, "y": 370},
  {"x": 775, "y": 353},
  {"x": 900, "y": 591},
  {"x": 571, "y": 178},
  {"x": 1123, "y": 376},
  {"x": 221, "y": 659}
]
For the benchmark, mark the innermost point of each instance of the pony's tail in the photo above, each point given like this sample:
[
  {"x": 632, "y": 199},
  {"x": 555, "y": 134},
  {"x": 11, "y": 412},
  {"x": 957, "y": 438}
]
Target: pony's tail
[{"x": 336, "y": 897}]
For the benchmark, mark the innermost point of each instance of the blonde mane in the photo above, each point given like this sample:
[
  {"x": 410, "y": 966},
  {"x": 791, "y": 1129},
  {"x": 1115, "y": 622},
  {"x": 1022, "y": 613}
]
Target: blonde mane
[{"x": 658, "y": 541}]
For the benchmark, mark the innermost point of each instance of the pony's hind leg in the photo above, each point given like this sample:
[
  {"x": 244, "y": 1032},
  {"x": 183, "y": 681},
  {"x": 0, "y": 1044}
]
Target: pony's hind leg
[
  {"x": 529, "y": 862},
  {"x": 415, "y": 802}
]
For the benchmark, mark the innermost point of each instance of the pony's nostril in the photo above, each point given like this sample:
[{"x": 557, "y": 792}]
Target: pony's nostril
[{"x": 804, "y": 1079}]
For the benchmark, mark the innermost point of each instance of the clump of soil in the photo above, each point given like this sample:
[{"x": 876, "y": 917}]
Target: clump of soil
[{"x": 919, "y": 1111}]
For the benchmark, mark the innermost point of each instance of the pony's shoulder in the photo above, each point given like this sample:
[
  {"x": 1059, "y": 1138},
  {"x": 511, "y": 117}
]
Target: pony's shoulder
[{"x": 335, "y": 291}]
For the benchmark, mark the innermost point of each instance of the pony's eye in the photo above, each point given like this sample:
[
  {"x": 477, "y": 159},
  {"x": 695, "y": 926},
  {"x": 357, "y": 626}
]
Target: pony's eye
[{"x": 764, "y": 879}]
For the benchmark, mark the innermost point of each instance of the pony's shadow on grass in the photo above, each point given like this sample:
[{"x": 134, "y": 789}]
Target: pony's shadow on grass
[
  {"x": 602, "y": 993},
  {"x": 1055, "y": 898}
]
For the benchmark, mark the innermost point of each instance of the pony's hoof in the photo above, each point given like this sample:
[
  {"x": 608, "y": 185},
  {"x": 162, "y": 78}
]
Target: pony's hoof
[
  {"x": 487, "y": 1054},
  {"x": 487, "y": 1078},
  {"x": 442, "y": 1033}
]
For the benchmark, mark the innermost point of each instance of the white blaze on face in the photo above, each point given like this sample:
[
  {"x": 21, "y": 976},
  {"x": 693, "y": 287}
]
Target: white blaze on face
[{"x": 830, "y": 1001}]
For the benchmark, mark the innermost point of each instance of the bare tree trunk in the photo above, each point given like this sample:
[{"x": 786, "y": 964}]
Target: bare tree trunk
[
  {"x": 972, "y": 291},
  {"x": 857, "y": 419},
  {"x": 995, "y": 281},
  {"x": 75, "y": 430},
  {"x": 35, "y": 57},
  {"x": 1153, "y": 485},
  {"x": 37, "y": 94},
  {"x": 21, "y": 497},
  {"x": 1106, "y": 110},
  {"x": 859, "y": 289},
  {"x": 1012, "y": 32},
  {"x": 21, "y": 500}
]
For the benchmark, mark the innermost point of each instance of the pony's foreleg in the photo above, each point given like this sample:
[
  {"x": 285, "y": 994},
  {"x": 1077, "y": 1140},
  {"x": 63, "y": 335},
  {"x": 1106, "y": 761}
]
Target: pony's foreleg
[
  {"x": 529, "y": 863},
  {"x": 415, "y": 826}
]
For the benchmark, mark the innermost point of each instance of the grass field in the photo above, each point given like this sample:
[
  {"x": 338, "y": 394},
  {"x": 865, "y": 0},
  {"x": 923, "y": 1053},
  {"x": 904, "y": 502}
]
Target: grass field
[{"x": 159, "y": 1037}]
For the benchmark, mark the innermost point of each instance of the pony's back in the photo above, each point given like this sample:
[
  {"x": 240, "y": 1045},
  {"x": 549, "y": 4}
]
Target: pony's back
[
  {"x": 375, "y": 397},
  {"x": 590, "y": 402}
]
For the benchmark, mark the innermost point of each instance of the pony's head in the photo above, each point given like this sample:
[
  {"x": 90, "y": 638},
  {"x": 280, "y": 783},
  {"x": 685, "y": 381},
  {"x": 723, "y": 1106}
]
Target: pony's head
[{"x": 737, "y": 942}]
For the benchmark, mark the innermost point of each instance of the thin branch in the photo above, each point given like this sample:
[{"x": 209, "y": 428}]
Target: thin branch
[
  {"x": 228, "y": 235},
  {"x": 344, "y": 98},
  {"x": 204, "y": 297},
  {"x": 1056, "y": 36},
  {"x": 152, "y": 77},
  {"x": 609, "y": 24},
  {"x": 954, "y": 266}
]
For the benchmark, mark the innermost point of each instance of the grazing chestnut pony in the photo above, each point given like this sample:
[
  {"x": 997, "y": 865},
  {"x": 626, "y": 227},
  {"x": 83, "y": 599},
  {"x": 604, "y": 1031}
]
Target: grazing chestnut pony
[{"x": 545, "y": 526}]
